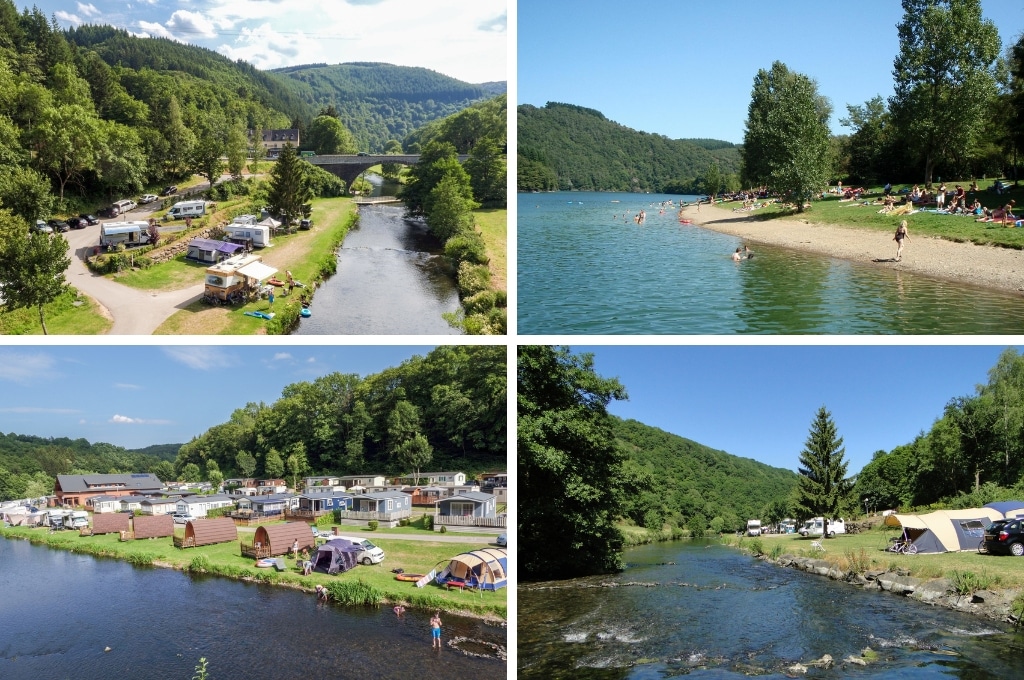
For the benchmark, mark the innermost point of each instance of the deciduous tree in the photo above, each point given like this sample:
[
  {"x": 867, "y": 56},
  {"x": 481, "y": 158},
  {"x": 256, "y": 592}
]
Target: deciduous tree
[
  {"x": 326, "y": 135},
  {"x": 32, "y": 266}
]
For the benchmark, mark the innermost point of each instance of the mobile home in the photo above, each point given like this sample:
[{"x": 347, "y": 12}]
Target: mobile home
[
  {"x": 183, "y": 209},
  {"x": 254, "y": 235},
  {"x": 128, "y": 233}
]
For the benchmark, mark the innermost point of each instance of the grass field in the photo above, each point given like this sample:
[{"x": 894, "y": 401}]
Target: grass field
[
  {"x": 494, "y": 228},
  {"x": 867, "y": 551},
  {"x": 951, "y": 227},
  {"x": 225, "y": 559},
  {"x": 67, "y": 315}
]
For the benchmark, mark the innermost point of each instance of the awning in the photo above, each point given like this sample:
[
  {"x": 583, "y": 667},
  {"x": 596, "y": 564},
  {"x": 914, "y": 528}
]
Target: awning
[{"x": 257, "y": 270}]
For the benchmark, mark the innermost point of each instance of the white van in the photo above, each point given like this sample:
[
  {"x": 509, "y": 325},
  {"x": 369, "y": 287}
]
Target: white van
[
  {"x": 183, "y": 209},
  {"x": 124, "y": 206},
  {"x": 369, "y": 553},
  {"x": 753, "y": 527},
  {"x": 816, "y": 527}
]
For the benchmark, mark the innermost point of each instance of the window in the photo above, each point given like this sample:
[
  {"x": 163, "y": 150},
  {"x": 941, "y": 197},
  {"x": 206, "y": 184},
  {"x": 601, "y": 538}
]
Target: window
[{"x": 460, "y": 509}]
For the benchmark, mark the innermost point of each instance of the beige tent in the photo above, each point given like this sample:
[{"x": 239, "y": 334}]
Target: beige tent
[{"x": 945, "y": 530}]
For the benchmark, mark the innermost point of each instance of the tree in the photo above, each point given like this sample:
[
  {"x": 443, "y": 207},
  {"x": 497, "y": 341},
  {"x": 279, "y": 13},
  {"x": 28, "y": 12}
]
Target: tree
[
  {"x": 786, "y": 142},
  {"x": 451, "y": 207},
  {"x": 944, "y": 78},
  {"x": 236, "y": 146},
  {"x": 290, "y": 195},
  {"x": 246, "y": 463},
  {"x": 436, "y": 160},
  {"x": 273, "y": 466},
  {"x": 392, "y": 171},
  {"x": 870, "y": 146},
  {"x": 822, "y": 486},
  {"x": 191, "y": 473},
  {"x": 712, "y": 181},
  {"x": 569, "y": 466},
  {"x": 402, "y": 425},
  {"x": 164, "y": 470},
  {"x": 213, "y": 474},
  {"x": 326, "y": 135},
  {"x": 297, "y": 462},
  {"x": 414, "y": 453},
  {"x": 31, "y": 267},
  {"x": 211, "y": 144},
  {"x": 67, "y": 141},
  {"x": 487, "y": 173},
  {"x": 25, "y": 192}
]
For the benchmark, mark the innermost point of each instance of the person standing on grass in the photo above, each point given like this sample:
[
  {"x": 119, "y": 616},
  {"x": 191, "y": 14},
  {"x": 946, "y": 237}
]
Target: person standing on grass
[
  {"x": 901, "y": 234},
  {"x": 435, "y": 630}
]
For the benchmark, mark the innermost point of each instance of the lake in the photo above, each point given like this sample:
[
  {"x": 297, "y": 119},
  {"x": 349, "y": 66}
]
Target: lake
[
  {"x": 61, "y": 610},
  {"x": 717, "y": 613},
  {"x": 584, "y": 267}
]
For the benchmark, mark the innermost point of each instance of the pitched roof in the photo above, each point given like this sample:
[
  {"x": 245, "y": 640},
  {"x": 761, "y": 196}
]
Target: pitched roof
[{"x": 140, "y": 481}]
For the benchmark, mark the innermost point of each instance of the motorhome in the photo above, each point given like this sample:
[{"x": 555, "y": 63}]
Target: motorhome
[
  {"x": 248, "y": 234},
  {"x": 232, "y": 279},
  {"x": 76, "y": 519},
  {"x": 753, "y": 527},
  {"x": 128, "y": 233},
  {"x": 183, "y": 209},
  {"x": 816, "y": 527}
]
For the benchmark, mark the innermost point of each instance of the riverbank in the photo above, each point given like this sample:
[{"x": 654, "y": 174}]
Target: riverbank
[
  {"x": 979, "y": 265},
  {"x": 362, "y": 585}
]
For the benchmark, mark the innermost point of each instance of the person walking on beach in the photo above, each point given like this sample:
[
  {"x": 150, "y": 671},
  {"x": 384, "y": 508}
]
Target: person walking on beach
[
  {"x": 901, "y": 233},
  {"x": 435, "y": 630}
]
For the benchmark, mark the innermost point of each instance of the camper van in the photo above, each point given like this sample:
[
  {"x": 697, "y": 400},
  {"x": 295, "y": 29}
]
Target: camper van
[
  {"x": 815, "y": 527},
  {"x": 753, "y": 527},
  {"x": 76, "y": 520},
  {"x": 183, "y": 209},
  {"x": 250, "y": 235},
  {"x": 230, "y": 279},
  {"x": 128, "y": 233},
  {"x": 368, "y": 552}
]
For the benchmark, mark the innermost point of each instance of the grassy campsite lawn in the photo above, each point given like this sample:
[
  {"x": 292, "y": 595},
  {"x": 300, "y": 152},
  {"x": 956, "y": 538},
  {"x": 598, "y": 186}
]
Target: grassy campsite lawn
[
  {"x": 950, "y": 227},
  {"x": 494, "y": 229},
  {"x": 376, "y": 582},
  {"x": 62, "y": 316},
  {"x": 867, "y": 551}
]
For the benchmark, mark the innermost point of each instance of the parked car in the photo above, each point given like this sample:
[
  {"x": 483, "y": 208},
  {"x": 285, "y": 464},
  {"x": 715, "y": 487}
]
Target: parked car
[
  {"x": 169, "y": 190},
  {"x": 182, "y": 517},
  {"x": 58, "y": 225},
  {"x": 148, "y": 198},
  {"x": 502, "y": 540},
  {"x": 109, "y": 211},
  {"x": 76, "y": 223},
  {"x": 42, "y": 227},
  {"x": 362, "y": 153},
  {"x": 89, "y": 219},
  {"x": 1005, "y": 536}
]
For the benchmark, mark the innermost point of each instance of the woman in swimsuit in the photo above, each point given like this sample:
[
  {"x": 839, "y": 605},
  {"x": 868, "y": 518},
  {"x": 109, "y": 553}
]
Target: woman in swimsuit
[{"x": 901, "y": 233}]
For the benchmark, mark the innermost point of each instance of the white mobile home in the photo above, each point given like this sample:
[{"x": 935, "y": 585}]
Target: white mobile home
[
  {"x": 183, "y": 209},
  {"x": 253, "y": 235},
  {"x": 128, "y": 233}
]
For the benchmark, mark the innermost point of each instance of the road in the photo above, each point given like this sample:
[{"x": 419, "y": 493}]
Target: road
[{"x": 134, "y": 312}]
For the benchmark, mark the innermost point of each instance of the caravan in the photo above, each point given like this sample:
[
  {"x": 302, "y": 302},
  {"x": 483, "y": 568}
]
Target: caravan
[
  {"x": 244, "y": 230},
  {"x": 816, "y": 527},
  {"x": 128, "y": 233},
  {"x": 183, "y": 209}
]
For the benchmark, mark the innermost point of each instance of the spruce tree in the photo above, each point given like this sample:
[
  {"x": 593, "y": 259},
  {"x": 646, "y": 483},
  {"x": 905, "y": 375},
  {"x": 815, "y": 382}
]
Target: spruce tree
[
  {"x": 290, "y": 194},
  {"x": 822, "y": 486}
]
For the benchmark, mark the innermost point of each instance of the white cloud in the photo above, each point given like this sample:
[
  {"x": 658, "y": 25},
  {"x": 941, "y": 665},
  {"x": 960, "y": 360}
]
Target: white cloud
[
  {"x": 126, "y": 420},
  {"x": 24, "y": 368},
  {"x": 185, "y": 24},
  {"x": 68, "y": 17},
  {"x": 88, "y": 10},
  {"x": 151, "y": 30},
  {"x": 282, "y": 356},
  {"x": 201, "y": 358},
  {"x": 127, "y": 386}
]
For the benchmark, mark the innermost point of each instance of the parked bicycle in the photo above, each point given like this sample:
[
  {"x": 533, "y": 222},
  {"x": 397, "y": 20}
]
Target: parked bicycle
[{"x": 902, "y": 545}]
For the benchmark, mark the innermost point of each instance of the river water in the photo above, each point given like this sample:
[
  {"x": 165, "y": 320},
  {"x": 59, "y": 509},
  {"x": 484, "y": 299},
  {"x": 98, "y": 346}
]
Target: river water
[
  {"x": 391, "y": 280},
  {"x": 717, "y": 613},
  {"x": 61, "y": 610},
  {"x": 584, "y": 267}
]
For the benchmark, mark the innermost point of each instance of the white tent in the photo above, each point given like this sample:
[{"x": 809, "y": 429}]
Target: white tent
[{"x": 945, "y": 530}]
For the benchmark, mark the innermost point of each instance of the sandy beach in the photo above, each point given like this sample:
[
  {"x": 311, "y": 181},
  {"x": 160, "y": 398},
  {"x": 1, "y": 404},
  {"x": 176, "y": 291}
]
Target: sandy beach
[{"x": 988, "y": 266}]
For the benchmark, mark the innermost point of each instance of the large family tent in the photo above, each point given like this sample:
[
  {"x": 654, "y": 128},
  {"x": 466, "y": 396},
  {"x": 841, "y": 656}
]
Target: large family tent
[
  {"x": 486, "y": 569},
  {"x": 945, "y": 530},
  {"x": 1010, "y": 509},
  {"x": 335, "y": 556}
]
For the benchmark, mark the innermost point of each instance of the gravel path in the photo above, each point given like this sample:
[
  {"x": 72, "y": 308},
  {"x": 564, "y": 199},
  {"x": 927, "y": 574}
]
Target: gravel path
[{"x": 988, "y": 266}]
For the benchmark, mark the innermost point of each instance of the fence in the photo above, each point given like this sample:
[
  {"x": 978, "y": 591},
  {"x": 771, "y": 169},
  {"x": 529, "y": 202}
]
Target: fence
[{"x": 469, "y": 521}]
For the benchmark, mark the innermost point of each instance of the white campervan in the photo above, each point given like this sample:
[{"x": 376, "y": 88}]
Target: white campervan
[
  {"x": 183, "y": 209},
  {"x": 816, "y": 527},
  {"x": 128, "y": 233},
  {"x": 753, "y": 527}
]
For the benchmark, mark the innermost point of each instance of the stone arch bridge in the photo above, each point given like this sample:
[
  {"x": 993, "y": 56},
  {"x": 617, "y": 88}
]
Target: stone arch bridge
[{"x": 349, "y": 167}]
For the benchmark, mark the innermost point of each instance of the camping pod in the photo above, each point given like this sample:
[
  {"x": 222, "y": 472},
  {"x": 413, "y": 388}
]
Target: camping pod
[
  {"x": 486, "y": 569},
  {"x": 153, "y": 526},
  {"x": 110, "y": 522},
  {"x": 335, "y": 556},
  {"x": 209, "y": 531},
  {"x": 277, "y": 539}
]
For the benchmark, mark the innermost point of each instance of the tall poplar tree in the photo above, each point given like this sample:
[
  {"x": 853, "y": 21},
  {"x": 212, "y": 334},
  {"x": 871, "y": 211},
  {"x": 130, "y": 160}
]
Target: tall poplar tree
[
  {"x": 944, "y": 77},
  {"x": 786, "y": 145},
  {"x": 822, "y": 486}
]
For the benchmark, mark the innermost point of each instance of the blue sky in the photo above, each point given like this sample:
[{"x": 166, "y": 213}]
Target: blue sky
[
  {"x": 686, "y": 68},
  {"x": 134, "y": 396},
  {"x": 464, "y": 39},
  {"x": 758, "y": 401}
]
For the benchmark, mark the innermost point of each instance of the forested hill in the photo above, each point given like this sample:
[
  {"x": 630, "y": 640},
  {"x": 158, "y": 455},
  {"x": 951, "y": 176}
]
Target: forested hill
[
  {"x": 30, "y": 464},
  {"x": 568, "y": 147},
  {"x": 690, "y": 479},
  {"x": 379, "y": 102}
]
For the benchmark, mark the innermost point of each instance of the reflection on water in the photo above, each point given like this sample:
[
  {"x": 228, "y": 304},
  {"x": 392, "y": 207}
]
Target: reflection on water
[
  {"x": 391, "y": 280},
  {"x": 61, "y": 610},
  {"x": 584, "y": 267},
  {"x": 708, "y": 611}
]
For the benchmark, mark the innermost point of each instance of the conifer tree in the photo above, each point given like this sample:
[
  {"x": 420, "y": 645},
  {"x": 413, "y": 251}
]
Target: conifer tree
[
  {"x": 290, "y": 194},
  {"x": 822, "y": 486}
]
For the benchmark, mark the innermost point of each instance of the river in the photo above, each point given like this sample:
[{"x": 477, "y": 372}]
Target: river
[
  {"x": 584, "y": 267},
  {"x": 61, "y": 610},
  {"x": 391, "y": 280},
  {"x": 717, "y": 613}
]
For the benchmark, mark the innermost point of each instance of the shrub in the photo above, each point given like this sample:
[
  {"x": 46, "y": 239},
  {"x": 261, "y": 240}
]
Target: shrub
[
  {"x": 199, "y": 564},
  {"x": 324, "y": 184},
  {"x": 444, "y": 530},
  {"x": 967, "y": 582},
  {"x": 372, "y": 525},
  {"x": 776, "y": 551},
  {"x": 466, "y": 247},
  {"x": 473, "y": 278},
  {"x": 428, "y": 522},
  {"x": 756, "y": 547},
  {"x": 140, "y": 559},
  {"x": 355, "y": 592},
  {"x": 859, "y": 561},
  {"x": 404, "y": 522},
  {"x": 484, "y": 302}
]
